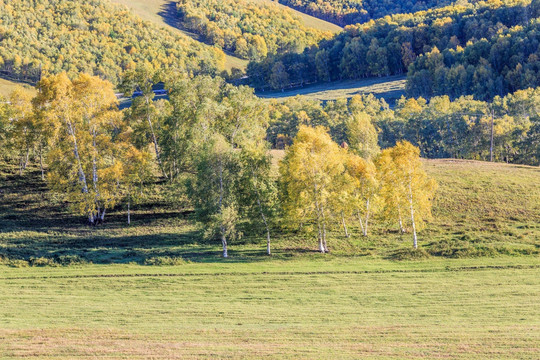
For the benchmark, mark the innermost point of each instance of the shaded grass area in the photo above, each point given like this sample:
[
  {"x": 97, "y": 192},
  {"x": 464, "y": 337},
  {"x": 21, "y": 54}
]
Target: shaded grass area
[
  {"x": 389, "y": 88},
  {"x": 394, "y": 310},
  {"x": 481, "y": 209}
]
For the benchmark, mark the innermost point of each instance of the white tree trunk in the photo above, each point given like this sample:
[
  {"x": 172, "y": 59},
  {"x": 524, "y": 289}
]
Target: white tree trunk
[
  {"x": 319, "y": 218},
  {"x": 324, "y": 229},
  {"x": 320, "y": 236},
  {"x": 41, "y": 162},
  {"x": 415, "y": 239},
  {"x": 401, "y": 228},
  {"x": 224, "y": 242},
  {"x": 324, "y": 238},
  {"x": 82, "y": 176},
  {"x": 95, "y": 178},
  {"x": 361, "y": 222},
  {"x": 128, "y": 212},
  {"x": 367, "y": 219},
  {"x": 347, "y": 235}
]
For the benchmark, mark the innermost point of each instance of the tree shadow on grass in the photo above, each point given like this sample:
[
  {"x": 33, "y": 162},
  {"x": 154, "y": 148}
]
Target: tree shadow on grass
[
  {"x": 169, "y": 14},
  {"x": 33, "y": 225}
]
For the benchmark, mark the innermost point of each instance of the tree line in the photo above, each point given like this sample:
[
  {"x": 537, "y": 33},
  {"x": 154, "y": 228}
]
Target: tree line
[
  {"x": 251, "y": 30},
  {"x": 502, "y": 64},
  {"x": 348, "y": 12},
  {"x": 507, "y": 129},
  {"x": 395, "y": 44},
  {"x": 95, "y": 37},
  {"x": 208, "y": 141}
]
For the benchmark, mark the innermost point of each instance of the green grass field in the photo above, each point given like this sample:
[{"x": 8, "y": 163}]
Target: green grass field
[
  {"x": 157, "y": 289},
  {"x": 316, "y": 309},
  {"x": 390, "y": 88}
]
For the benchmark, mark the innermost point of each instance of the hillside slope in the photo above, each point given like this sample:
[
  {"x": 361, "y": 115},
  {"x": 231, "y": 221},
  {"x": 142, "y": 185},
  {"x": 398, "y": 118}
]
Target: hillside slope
[
  {"x": 344, "y": 12},
  {"x": 163, "y": 13},
  {"x": 481, "y": 209},
  {"x": 482, "y": 49},
  {"x": 95, "y": 37}
]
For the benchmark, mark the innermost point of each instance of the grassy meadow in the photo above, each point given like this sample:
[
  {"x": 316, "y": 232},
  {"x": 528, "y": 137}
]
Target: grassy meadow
[
  {"x": 7, "y": 86},
  {"x": 157, "y": 289},
  {"x": 300, "y": 309},
  {"x": 389, "y": 88}
]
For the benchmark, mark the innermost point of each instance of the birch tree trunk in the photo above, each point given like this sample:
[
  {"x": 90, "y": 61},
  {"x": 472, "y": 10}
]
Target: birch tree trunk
[
  {"x": 401, "y": 228},
  {"x": 319, "y": 218},
  {"x": 224, "y": 242},
  {"x": 324, "y": 237},
  {"x": 95, "y": 178},
  {"x": 27, "y": 158},
  {"x": 415, "y": 239},
  {"x": 367, "y": 219},
  {"x": 82, "y": 175},
  {"x": 320, "y": 237},
  {"x": 41, "y": 162},
  {"x": 361, "y": 222},
  {"x": 321, "y": 245},
  {"x": 347, "y": 235},
  {"x": 221, "y": 194},
  {"x": 323, "y": 229},
  {"x": 268, "y": 252},
  {"x": 128, "y": 211}
]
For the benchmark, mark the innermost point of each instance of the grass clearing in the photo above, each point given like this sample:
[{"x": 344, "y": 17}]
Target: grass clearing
[
  {"x": 309, "y": 20},
  {"x": 393, "y": 310},
  {"x": 157, "y": 289},
  {"x": 390, "y": 88},
  {"x": 7, "y": 86}
]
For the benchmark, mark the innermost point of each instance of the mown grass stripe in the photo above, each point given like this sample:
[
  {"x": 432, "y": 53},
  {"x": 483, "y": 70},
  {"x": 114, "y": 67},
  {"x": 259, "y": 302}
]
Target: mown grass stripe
[{"x": 280, "y": 273}]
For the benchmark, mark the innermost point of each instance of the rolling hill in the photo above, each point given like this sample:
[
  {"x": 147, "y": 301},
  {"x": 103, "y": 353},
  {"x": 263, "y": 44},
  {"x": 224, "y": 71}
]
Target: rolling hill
[
  {"x": 163, "y": 13},
  {"x": 481, "y": 209},
  {"x": 96, "y": 37}
]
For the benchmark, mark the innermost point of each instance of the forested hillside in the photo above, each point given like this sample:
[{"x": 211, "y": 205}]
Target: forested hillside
[
  {"x": 92, "y": 36},
  {"x": 503, "y": 63},
  {"x": 394, "y": 44},
  {"x": 250, "y": 29},
  {"x": 346, "y": 12}
]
